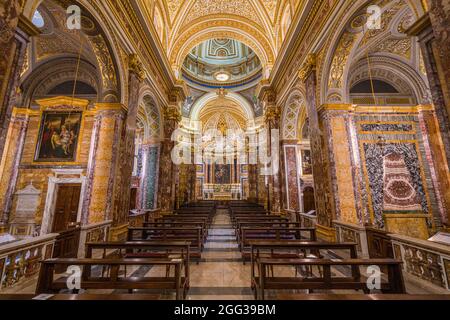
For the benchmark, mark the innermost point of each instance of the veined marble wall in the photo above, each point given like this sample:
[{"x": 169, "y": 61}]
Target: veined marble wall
[
  {"x": 397, "y": 178},
  {"x": 292, "y": 179},
  {"x": 382, "y": 170},
  {"x": 150, "y": 178}
]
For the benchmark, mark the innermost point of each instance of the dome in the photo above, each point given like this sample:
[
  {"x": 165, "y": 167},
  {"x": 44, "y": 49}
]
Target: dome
[{"x": 222, "y": 62}]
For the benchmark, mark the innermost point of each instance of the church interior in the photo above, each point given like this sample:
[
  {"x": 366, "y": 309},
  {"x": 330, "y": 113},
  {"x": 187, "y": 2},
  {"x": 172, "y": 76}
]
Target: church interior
[{"x": 224, "y": 149}]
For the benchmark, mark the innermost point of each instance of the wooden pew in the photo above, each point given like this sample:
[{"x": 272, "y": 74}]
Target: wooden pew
[
  {"x": 194, "y": 214},
  {"x": 249, "y": 234},
  {"x": 392, "y": 282},
  {"x": 112, "y": 280},
  {"x": 191, "y": 234},
  {"x": 259, "y": 219},
  {"x": 264, "y": 224},
  {"x": 144, "y": 249},
  {"x": 172, "y": 224},
  {"x": 297, "y": 249}
]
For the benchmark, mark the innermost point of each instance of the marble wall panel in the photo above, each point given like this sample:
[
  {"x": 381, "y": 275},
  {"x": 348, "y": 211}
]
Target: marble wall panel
[{"x": 292, "y": 178}]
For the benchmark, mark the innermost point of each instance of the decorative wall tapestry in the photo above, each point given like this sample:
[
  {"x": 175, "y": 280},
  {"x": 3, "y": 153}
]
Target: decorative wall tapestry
[
  {"x": 395, "y": 179},
  {"x": 222, "y": 174},
  {"x": 306, "y": 163},
  {"x": 58, "y": 137}
]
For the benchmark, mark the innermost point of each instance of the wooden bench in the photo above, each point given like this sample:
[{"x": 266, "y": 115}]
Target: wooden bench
[
  {"x": 112, "y": 278},
  {"x": 147, "y": 250},
  {"x": 264, "y": 224},
  {"x": 191, "y": 234},
  {"x": 248, "y": 235},
  {"x": 298, "y": 249},
  {"x": 192, "y": 214},
  {"x": 262, "y": 218},
  {"x": 172, "y": 224},
  {"x": 391, "y": 283}
]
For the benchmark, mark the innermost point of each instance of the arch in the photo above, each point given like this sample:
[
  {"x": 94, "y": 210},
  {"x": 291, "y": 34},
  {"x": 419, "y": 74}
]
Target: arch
[
  {"x": 394, "y": 71},
  {"x": 221, "y": 28},
  {"x": 150, "y": 115},
  {"x": 55, "y": 72},
  {"x": 205, "y": 99},
  {"x": 295, "y": 104},
  {"x": 345, "y": 44},
  {"x": 90, "y": 10}
]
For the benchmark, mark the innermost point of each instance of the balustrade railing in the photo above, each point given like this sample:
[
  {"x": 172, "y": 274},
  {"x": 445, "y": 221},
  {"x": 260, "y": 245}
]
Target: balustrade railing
[{"x": 20, "y": 260}]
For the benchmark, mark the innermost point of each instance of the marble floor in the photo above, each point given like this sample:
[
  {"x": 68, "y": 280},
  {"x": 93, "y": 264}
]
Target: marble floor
[{"x": 221, "y": 274}]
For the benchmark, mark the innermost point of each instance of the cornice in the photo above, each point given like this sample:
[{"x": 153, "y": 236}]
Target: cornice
[
  {"x": 144, "y": 41},
  {"x": 419, "y": 26}
]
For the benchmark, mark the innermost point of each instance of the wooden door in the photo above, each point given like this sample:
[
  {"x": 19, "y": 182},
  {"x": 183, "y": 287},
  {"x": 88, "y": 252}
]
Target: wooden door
[
  {"x": 308, "y": 199},
  {"x": 66, "y": 209},
  {"x": 133, "y": 198}
]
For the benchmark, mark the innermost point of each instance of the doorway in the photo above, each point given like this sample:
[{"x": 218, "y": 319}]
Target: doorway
[
  {"x": 66, "y": 207},
  {"x": 65, "y": 221},
  {"x": 308, "y": 200}
]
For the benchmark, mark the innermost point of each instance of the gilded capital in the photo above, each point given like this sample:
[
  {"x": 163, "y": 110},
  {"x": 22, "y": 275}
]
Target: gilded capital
[
  {"x": 308, "y": 66},
  {"x": 172, "y": 113},
  {"x": 135, "y": 66},
  {"x": 272, "y": 113}
]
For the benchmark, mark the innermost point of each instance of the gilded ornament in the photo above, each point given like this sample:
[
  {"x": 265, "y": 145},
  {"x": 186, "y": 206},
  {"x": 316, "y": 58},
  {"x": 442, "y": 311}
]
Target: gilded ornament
[{"x": 136, "y": 67}]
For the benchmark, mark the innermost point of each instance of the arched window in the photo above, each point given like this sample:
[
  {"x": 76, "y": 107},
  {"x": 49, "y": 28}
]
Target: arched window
[{"x": 38, "y": 20}]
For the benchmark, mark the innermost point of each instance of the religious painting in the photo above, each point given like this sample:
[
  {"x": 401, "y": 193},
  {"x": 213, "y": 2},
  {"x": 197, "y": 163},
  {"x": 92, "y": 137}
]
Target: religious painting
[
  {"x": 58, "y": 137},
  {"x": 306, "y": 163},
  {"x": 222, "y": 174},
  {"x": 199, "y": 168}
]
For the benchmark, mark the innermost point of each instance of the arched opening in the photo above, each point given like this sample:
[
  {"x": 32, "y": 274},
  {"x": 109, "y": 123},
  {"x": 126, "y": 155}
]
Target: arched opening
[{"x": 308, "y": 199}]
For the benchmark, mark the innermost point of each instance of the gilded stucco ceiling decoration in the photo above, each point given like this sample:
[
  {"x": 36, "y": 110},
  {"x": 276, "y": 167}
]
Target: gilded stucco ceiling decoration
[
  {"x": 400, "y": 47},
  {"x": 173, "y": 6},
  {"x": 253, "y": 22},
  {"x": 356, "y": 42},
  {"x": 211, "y": 114},
  {"x": 242, "y": 8},
  {"x": 57, "y": 40}
]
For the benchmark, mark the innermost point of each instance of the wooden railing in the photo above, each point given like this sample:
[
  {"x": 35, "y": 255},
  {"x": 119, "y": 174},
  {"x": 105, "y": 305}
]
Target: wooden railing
[{"x": 20, "y": 260}]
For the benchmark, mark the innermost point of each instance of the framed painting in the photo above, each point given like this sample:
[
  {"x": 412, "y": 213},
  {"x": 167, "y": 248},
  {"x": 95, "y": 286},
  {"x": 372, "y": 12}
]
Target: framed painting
[
  {"x": 306, "y": 163},
  {"x": 222, "y": 174},
  {"x": 58, "y": 137}
]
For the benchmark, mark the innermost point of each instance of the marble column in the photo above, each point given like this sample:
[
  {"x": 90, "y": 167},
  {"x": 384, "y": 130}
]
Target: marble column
[
  {"x": 103, "y": 165},
  {"x": 290, "y": 172},
  {"x": 168, "y": 170},
  {"x": 9, "y": 167},
  {"x": 252, "y": 183},
  {"x": 15, "y": 35},
  {"x": 322, "y": 187},
  {"x": 126, "y": 147},
  {"x": 440, "y": 175},
  {"x": 149, "y": 175},
  {"x": 272, "y": 119},
  {"x": 433, "y": 34}
]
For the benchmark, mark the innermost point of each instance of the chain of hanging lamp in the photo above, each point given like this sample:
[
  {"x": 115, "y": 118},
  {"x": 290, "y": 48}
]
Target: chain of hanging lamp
[{"x": 77, "y": 70}]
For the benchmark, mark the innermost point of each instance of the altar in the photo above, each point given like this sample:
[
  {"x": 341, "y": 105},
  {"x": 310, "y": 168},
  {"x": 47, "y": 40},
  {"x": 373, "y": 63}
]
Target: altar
[{"x": 222, "y": 192}]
